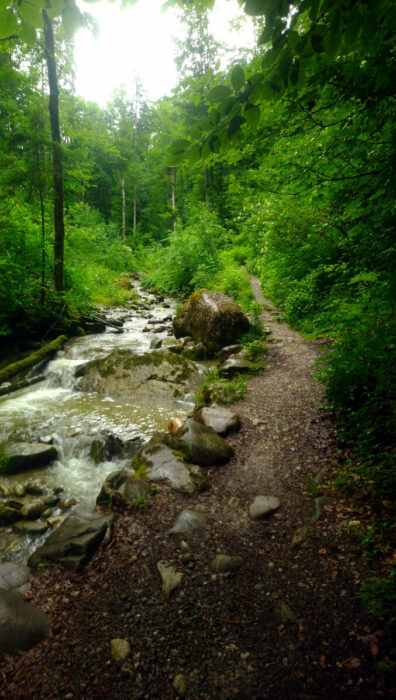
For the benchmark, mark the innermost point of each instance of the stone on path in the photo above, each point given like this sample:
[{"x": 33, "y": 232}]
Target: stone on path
[
  {"x": 74, "y": 541},
  {"x": 300, "y": 536},
  {"x": 218, "y": 418},
  {"x": 179, "y": 684},
  {"x": 120, "y": 650},
  {"x": 236, "y": 365},
  {"x": 201, "y": 445},
  {"x": 162, "y": 464},
  {"x": 171, "y": 578},
  {"x": 319, "y": 505},
  {"x": 21, "y": 624},
  {"x": 188, "y": 520},
  {"x": 263, "y": 506},
  {"x": 15, "y": 577},
  {"x": 224, "y": 562},
  {"x": 286, "y": 614}
]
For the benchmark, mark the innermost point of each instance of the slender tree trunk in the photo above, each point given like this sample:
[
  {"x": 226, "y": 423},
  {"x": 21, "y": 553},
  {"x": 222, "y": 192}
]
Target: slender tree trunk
[
  {"x": 173, "y": 181},
  {"x": 134, "y": 209},
  {"x": 42, "y": 212},
  {"x": 121, "y": 180},
  {"x": 56, "y": 153}
]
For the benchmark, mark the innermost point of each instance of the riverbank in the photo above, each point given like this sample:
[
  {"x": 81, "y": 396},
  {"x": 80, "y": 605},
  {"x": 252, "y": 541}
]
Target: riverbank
[{"x": 283, "y": 625}]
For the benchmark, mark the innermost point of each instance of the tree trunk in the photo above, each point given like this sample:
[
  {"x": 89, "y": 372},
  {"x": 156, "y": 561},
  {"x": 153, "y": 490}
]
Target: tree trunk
[
  {"x": 56, "y": 153},
  {"x": 134, "y": 209}
]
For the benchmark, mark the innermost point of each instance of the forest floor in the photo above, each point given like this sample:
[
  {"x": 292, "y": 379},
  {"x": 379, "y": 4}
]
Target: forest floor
[{"x": 284, "y": 625}]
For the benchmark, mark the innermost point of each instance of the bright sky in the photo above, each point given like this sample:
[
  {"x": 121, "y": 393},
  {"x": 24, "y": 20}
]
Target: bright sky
[{"x": 137, "y": 42}]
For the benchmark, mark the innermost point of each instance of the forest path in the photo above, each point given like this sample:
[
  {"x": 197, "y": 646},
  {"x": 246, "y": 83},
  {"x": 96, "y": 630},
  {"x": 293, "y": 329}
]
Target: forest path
[{"x": 284, "y": 625}]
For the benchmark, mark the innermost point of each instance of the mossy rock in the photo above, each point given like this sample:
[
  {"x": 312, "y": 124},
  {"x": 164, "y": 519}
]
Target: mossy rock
[
  {"x": 201, "y": 445},
  {"x": 20, "y": 456},
  {"x": 211, "y": 318},
  {"x": 123, "y": 373}
]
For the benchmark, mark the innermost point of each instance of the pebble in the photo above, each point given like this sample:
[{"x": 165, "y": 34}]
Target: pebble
[
  {"x": 179, "y": 684},
  {"x": 120, "y": 649},
  {"x": 263, "y": 506}
]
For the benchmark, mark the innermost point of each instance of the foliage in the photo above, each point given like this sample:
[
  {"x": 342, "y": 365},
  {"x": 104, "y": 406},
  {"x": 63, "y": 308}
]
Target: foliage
[{"x": 379, "y": 596}]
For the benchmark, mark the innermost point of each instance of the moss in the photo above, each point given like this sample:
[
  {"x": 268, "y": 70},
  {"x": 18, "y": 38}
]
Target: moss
[
  {"x": 47, "y": 350},
  {"x": 3, "y": 461}
]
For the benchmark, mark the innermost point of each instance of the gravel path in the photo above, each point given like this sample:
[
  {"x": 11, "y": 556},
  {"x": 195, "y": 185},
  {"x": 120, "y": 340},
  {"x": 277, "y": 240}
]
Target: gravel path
[{"x": 283, "y": 625}]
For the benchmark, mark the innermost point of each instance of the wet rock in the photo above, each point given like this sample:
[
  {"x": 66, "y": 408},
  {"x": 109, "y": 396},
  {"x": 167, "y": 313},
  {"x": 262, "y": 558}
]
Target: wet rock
[
  {"x": 229, "y": 350},
  {"x": 33, "y": 510},
  {"x": 236, "y": 365},
  {"x": 188, "y": 520},
  {"x": 224, "y": 562},
  {"x": 120, "y": 650},
  {"x": 19, "y": 490},
  {"x": 74, "y": 541},
  {"x": 156, "y": 343},
  {"x": 122, "y": 487},
  {"x": 124, "y": 373},
  {"x": 179, "y": 684},
  {"x": 219, "y": 419},
  {"x": 263, "y": 506},
  {"x": 15, "y": 577},
  {"x": 106, "y": 449},
  {"x": 5, "y": 492},
  {"x": 36, "y": 488},
  {"x": 201, "y": 445},
  {"x": 211, "y": 318},
  {"x": 20, "y": 456},
  {"x": 21, "y": 624},
  {"x": 195, "y": 351},
  {"x": 67, "y": 503},
  {"x": 319, "y": 505},
  {"x": 31, "y": 527},
  {"x": 51, "y": 500},
  {"x": 162, "y": 464},
  {"x": 171, "y": 578},
  {"x": 9, "y": 515}
]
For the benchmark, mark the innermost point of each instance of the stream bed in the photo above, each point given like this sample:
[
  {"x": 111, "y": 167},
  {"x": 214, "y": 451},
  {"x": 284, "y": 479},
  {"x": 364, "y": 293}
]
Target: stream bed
[{"x": 55, "y": 410}]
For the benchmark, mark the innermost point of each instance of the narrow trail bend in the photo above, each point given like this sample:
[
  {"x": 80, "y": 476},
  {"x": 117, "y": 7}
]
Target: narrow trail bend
[{"x": 284, "y": 625}]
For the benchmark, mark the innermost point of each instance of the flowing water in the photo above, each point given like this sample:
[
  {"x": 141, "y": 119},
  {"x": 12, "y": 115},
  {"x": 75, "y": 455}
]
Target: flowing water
[{"x": 55, "y": 409}]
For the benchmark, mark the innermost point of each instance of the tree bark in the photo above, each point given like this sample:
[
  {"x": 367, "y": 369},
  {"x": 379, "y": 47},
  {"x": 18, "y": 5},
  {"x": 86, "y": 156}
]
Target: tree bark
[
  {"x": 134, "y": 209},
  {"x": 59, "y": 225}
]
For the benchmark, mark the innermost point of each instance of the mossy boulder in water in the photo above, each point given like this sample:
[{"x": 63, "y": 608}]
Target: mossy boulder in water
[
  {"x": 211, "y": 318},
  {"x": 19, "y": 456},
  {"x": 124, "y": 373}
]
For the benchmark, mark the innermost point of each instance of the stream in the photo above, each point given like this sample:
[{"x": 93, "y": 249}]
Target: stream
[{"x": 53, "y": 409}]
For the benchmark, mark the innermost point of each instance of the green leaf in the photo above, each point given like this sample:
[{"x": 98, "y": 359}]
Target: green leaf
[
  {"x": 219, "y": 93},
  {"x": 179, "y": 146},
  {"x": 8, "y": 24},
  {"x": 237, "y": 78},
  {"x": 175, "y": 159},
  {"x": 31, "y": 13},
  {"x": 28, "y": 34},
  {"x": 254, "y": 8},
  {"x": 265, "y": 36},
  {"x": 252, "y": 115},
  {"x": 71, "y": 21},
  {"x": 235, "y": 125},
  {"x": 56, "y": 8},
  {"x": 194, "y": 154}
]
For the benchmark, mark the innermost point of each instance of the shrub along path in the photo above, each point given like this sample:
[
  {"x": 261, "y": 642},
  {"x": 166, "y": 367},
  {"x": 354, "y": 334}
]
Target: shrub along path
[{"x": 283, "y": 625}]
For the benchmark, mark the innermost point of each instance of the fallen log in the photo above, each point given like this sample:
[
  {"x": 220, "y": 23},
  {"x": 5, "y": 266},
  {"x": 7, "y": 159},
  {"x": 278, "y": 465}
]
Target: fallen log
[{"x": 45, "y": 352}]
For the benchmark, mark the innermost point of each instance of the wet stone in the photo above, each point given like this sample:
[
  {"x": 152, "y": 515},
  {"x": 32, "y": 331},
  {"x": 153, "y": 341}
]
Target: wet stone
[{"x": 188, "y": 520}]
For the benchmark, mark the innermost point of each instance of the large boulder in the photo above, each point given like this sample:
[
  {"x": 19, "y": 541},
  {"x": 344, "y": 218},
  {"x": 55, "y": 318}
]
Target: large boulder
[
  {"x": 211, "y": 318},
  {"x": 161, "y": 463},
  {"x": 15, "y": 577},
  {"x": 74, "y": 541},
  {"x": 201, "y": 445},
  {"x": 21, "y": 624},
  {"x": 159, "y": 373},
  {"x": 18, "y": 456},
  {"x": 122, "y": 488},
  {"x": 218, "y": 418}
]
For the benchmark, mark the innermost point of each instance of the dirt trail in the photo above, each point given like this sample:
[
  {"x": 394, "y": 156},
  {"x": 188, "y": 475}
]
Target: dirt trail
[{"x": 285, "y": 625}]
